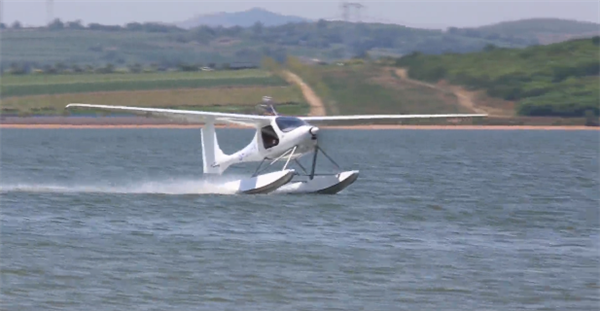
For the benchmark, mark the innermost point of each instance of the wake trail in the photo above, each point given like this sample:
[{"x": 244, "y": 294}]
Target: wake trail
[{"x": 173, "y": 187}]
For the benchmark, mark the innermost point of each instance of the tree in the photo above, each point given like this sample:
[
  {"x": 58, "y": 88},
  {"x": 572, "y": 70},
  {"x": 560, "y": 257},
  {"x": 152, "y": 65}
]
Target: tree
[
  {"x": 202, "y": 34},
  {"x": 76, "y": 68},
  {"x": 453, "y": 30},
  {"x": 75, "y": 25},
  {"x": 233, "y": 31},
  {"x": 109, "y": 68},
  {"x": 60, "y": 67},
  {"x": 321, "y": 24},
  {"x": 135, "y": 68},
  {"x": 154, "y": 67},
  {"x": 489, "y": 47},
  {"x": 134, "y": 26},
  {"x": 257, "y": 28},
  {"x": 56, "y": 24},
  {"x": 187, "y": 67},
  {"x": 493, "y": 36},
  {"x": 337, "y": 52},
  {"x": 269, "y": 63},
  {"x": 591, "y": 119},
  {"x": 362, "y": 55},
  {"x": 49, "y": 69},
  {"x": 17, "y": 69},
  {"x": 16, "y": 25}
]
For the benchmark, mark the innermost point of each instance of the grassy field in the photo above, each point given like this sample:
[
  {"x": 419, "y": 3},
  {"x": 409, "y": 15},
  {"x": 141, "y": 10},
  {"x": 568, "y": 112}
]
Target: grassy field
[
  {"x": 237, "y": 91},
  {"x": 84, "y": 83},
  {"x": 217, "y": 99},
  {"x": 148, "y": 76},
  {"x": 555, "y": 80},
  {"x": 371, "y": 89}
]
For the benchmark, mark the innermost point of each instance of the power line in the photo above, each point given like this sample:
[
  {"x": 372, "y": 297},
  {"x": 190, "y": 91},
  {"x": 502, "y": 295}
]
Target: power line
[
  {"x": 346, "y": 8},
  {"x": 49, "y": 11}
]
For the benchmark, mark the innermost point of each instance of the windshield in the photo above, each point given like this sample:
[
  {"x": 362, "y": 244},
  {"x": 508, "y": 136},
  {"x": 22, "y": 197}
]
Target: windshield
[{"x": 287, "y": 124}]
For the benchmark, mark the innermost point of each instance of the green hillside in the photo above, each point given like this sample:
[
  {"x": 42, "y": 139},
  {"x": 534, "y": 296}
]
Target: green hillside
[
  {"x": 542, "y": 30},
  {"x": 553, "y": 80},
  {"x": 537, "y": 26},
  {"x": 168, "y": 46},
  {"x": 366, "y": 88}
]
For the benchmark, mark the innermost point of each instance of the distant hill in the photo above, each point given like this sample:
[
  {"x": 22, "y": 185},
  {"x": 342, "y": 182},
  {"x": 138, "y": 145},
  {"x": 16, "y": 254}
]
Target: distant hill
[
  {"x": 541, "y": 25},
  {"x": 168, "y": 46},
  {"x": 242, "y": 19},
  {"x": 544, "y": 30}
]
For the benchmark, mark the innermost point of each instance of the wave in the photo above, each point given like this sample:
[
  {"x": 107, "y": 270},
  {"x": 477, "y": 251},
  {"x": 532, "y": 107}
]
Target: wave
[{"x": 173, "y": 187}]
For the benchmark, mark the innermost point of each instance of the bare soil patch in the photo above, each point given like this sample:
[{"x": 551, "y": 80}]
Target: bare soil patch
[
  {"x": 475, "y": 101},
  {"x": 316, "y": 104}
]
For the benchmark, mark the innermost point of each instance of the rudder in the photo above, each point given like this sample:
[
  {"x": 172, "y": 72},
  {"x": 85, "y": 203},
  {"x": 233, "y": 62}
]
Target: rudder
[{"x": 211, "y": 153}]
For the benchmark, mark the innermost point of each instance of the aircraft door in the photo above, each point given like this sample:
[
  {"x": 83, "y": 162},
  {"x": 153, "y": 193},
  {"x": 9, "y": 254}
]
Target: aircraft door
[{"x": 269, "y": 137}]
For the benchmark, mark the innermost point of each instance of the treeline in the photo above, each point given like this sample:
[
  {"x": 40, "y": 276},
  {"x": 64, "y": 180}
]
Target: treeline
[
  {"x": 57, "y": 24},
  {"x": 61, "y": 68},
  {"x": 344, "y": 39},
  {"x": 554, "y": 80}
]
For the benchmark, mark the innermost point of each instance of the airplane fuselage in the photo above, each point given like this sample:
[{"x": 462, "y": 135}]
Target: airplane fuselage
[{"x": 275, "y": 140}]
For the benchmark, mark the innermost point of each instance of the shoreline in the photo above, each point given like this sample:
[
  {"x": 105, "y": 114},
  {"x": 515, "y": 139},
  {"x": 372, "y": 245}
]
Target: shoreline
[
  {"x": 341, "y": 127},
  {"x": 122, "y": 122}
]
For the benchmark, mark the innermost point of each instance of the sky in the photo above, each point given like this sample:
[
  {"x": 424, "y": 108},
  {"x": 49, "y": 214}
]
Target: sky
[{"x": 424, "y": 13}]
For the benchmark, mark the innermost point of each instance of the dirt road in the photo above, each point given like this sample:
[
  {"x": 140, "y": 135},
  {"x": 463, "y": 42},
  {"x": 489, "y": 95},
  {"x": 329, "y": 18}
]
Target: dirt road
[
  {"x": 465, "y": 98},
  {"x": 316, "y": 104}
]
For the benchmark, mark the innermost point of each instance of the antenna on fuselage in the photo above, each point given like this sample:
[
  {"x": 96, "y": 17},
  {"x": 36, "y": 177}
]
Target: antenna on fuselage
[{"x": 268, "y": 106}]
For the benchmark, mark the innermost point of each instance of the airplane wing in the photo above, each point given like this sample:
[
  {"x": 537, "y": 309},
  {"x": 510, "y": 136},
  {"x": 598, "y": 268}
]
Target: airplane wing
[
  {"x": 186, "y": 115},
  {"x": 375, "y": 117}
]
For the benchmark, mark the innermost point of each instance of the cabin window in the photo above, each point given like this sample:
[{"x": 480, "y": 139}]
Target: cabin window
[
  {"x": 287, "y": 124},
  {"x": 269, "y": 137}
]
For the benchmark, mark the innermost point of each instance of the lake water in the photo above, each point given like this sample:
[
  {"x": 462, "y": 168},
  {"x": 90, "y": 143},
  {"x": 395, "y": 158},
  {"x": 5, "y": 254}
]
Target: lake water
[{"x": 438, "y": 220}]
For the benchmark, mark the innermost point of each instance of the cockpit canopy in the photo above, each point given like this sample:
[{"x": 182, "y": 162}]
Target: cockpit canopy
[{"x": 287, "y": 124}]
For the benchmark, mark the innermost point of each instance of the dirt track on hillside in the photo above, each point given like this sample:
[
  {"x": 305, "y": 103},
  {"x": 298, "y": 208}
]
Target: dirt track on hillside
[
  {"x": 465, "y": 98},
  {"x": 316, "y": 104}
]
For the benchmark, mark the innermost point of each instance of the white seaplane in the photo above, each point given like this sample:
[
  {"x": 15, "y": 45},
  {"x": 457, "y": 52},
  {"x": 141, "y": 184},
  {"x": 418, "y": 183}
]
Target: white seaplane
[{"x": 277, "y": 137}]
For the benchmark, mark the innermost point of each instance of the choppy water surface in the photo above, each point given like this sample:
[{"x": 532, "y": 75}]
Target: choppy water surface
[{"x": 438, "y": 220}]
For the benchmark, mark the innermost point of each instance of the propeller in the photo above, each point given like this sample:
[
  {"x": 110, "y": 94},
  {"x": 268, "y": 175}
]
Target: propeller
[
  {"x": 313, "y": 131},
  {"x": 268, "y": 106}
]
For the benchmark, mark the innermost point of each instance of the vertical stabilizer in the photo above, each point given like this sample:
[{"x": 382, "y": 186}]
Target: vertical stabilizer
[{"x": 211, "y": 153}]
